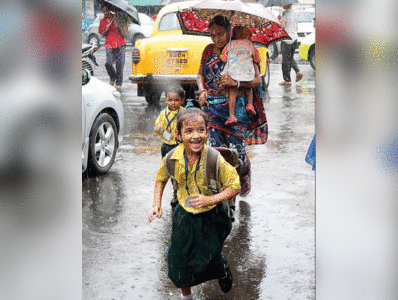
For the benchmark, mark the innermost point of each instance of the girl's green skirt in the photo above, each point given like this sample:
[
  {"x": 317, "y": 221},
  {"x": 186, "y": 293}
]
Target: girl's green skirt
[{"x": 195, "y": 254}]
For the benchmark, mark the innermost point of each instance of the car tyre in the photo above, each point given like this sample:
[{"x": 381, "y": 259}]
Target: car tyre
[
  {"x": 94, "y": 39},
  {"x": 136, "y": 38},
  {"x": 311, "y": 56},
  {"x": 265, "y": 79},
  {"x": 273, "y": 51},
  {"x": 103, "y": 144},
  {"x": 152, "y": 96}
]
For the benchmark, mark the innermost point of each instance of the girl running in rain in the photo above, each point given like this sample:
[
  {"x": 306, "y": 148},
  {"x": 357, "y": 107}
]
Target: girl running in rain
[{"x": 200, "y": 222}]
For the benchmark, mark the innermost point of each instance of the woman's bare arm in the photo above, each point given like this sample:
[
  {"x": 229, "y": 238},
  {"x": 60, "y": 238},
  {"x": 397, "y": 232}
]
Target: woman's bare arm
[{"x": 201, "y": 85}]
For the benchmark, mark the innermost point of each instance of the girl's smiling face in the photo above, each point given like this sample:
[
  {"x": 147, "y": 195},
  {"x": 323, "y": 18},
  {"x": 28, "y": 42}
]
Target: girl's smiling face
[{"x": 193, "y": 135}]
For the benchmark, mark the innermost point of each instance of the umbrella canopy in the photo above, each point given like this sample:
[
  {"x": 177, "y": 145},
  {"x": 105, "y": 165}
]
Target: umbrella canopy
[
  {"x": 262, "y": 23},
  {"x": 124, "y": 7},
  {"x": 268, "y": 3},
  {"x": 145, "y": 2}
]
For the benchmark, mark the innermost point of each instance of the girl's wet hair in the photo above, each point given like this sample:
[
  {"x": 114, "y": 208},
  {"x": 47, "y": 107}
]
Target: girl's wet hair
[
  {"x": 176, "y": 88},
  {"x": 220, "y": 21},
  {"x": 188, "y": 113}
]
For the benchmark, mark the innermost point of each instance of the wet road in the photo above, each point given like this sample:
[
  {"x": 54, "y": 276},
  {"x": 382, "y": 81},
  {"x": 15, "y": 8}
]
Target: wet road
[{"x": 271, "y": 249}]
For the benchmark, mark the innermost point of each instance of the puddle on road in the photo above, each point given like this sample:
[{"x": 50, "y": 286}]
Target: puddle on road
[
  {"x": 247, "y": 267},
  {"x": 140, "y": 123},
  {"x": 98, "y": 211}
]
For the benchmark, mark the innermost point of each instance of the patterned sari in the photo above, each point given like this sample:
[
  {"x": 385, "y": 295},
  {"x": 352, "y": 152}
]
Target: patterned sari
[{"x": 248, "y": 130}]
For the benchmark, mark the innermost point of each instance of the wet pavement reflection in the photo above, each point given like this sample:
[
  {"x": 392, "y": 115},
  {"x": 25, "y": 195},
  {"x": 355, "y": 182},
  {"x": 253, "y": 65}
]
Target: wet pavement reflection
[{"x": 247, "y": 267}]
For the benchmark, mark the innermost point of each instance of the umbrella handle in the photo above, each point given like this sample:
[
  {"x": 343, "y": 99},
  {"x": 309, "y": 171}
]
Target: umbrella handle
[{"x": 110, "y": 23}]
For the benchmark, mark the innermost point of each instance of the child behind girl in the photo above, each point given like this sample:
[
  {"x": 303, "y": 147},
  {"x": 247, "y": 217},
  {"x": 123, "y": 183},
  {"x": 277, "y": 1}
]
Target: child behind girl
[
  {"x": 166, "y": 123},
  {"x": 240, "y": 54},
  {"x": 200, "y": 222}
]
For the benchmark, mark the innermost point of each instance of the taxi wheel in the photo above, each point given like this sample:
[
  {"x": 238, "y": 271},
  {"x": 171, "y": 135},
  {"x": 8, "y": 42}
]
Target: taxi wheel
[
  {"x": 136, "y": 38},
  {"x": 265, "y": 78},
  {"x": 311, "y": 56},
  {"x": 152, "y": 96},
  {"x": 273, "y": 51}
]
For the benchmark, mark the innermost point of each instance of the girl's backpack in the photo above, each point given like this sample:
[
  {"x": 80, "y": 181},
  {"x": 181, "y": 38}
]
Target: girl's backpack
[{"x": 211, "y": 171}]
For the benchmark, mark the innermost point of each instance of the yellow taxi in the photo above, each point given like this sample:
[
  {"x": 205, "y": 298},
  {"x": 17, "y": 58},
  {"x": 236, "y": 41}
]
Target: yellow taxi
[
  {"x": 169, "y": 56},
  {"x": 307, "y": 49}
]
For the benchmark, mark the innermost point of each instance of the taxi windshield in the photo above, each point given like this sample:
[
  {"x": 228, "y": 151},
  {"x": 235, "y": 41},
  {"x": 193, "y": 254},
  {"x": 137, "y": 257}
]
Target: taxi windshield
[{"x": 169, "y": 22}]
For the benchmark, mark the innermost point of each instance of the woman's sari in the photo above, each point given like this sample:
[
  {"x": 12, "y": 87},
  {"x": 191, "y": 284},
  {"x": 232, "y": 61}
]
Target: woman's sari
[
  {"x": 253, "y": 130},
  {"x": 248, "y": 130}
]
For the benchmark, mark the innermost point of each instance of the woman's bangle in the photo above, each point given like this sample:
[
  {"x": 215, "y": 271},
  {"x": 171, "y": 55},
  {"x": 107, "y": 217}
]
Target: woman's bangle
[{"x": 202, "y": 90}]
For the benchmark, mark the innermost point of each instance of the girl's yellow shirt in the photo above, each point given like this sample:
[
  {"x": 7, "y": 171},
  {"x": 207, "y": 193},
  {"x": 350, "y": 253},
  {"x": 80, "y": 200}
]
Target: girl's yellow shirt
[
  {"x": 228, "y": 177},
  {"x": 162, "y": 121}
]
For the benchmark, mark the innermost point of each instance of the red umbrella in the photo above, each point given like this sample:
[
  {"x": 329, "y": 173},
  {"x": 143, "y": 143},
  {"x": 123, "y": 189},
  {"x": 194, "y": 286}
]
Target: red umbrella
[{"x": 262, "y": 23}]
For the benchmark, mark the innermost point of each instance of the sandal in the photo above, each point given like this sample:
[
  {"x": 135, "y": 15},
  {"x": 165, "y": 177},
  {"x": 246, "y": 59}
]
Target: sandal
[
  {"x": 231, "y": 121},
  {"x": 250, "y": 110},
  {"x": 226, "y": 282}
]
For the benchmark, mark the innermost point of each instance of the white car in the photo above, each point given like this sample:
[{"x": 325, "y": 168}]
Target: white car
[
  {"x": 136, "y": 32},
  {"x": 102, "y": 124},
  {"x": 306, "y": 26}
]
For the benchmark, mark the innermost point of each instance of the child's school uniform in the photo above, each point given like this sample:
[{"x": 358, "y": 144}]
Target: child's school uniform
[
  {"x": 198, "y": 234},
  {"x": 168, "y": 120},
  {"x": 240, "y": 56}
]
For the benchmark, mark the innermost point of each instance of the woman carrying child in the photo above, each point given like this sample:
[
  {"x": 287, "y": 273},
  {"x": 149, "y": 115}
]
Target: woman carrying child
[
  {"x": 200, "y": 222},
  {"x": 213, "y": 99}
]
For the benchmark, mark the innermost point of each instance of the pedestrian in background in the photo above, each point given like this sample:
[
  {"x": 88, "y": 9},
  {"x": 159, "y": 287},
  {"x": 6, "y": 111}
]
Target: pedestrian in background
[
  {"x": 200, "y": 222},
  {"x": 289, "y": 21},
  {"x": 166, "y": 123},
  {"x": 115, "y": 46}
]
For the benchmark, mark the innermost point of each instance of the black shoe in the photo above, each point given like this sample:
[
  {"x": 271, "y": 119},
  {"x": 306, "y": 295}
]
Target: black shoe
[
  {"x": 226, "y": 282},
  {"x": 231, "y": 213}
]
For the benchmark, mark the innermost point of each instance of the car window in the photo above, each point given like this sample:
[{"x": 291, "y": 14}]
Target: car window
[
  {"x": 306, "y": 17},
  {"x": 169, "y": 22}
]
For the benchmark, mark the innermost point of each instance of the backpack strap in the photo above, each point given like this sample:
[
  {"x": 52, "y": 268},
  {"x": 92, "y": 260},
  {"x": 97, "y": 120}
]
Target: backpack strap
[
  {"x": 170, "y": 165},
  {"x": 211, "y": 169},
  {"x": 211, "y": 172},
  {"x": 230, "y": 155}
]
